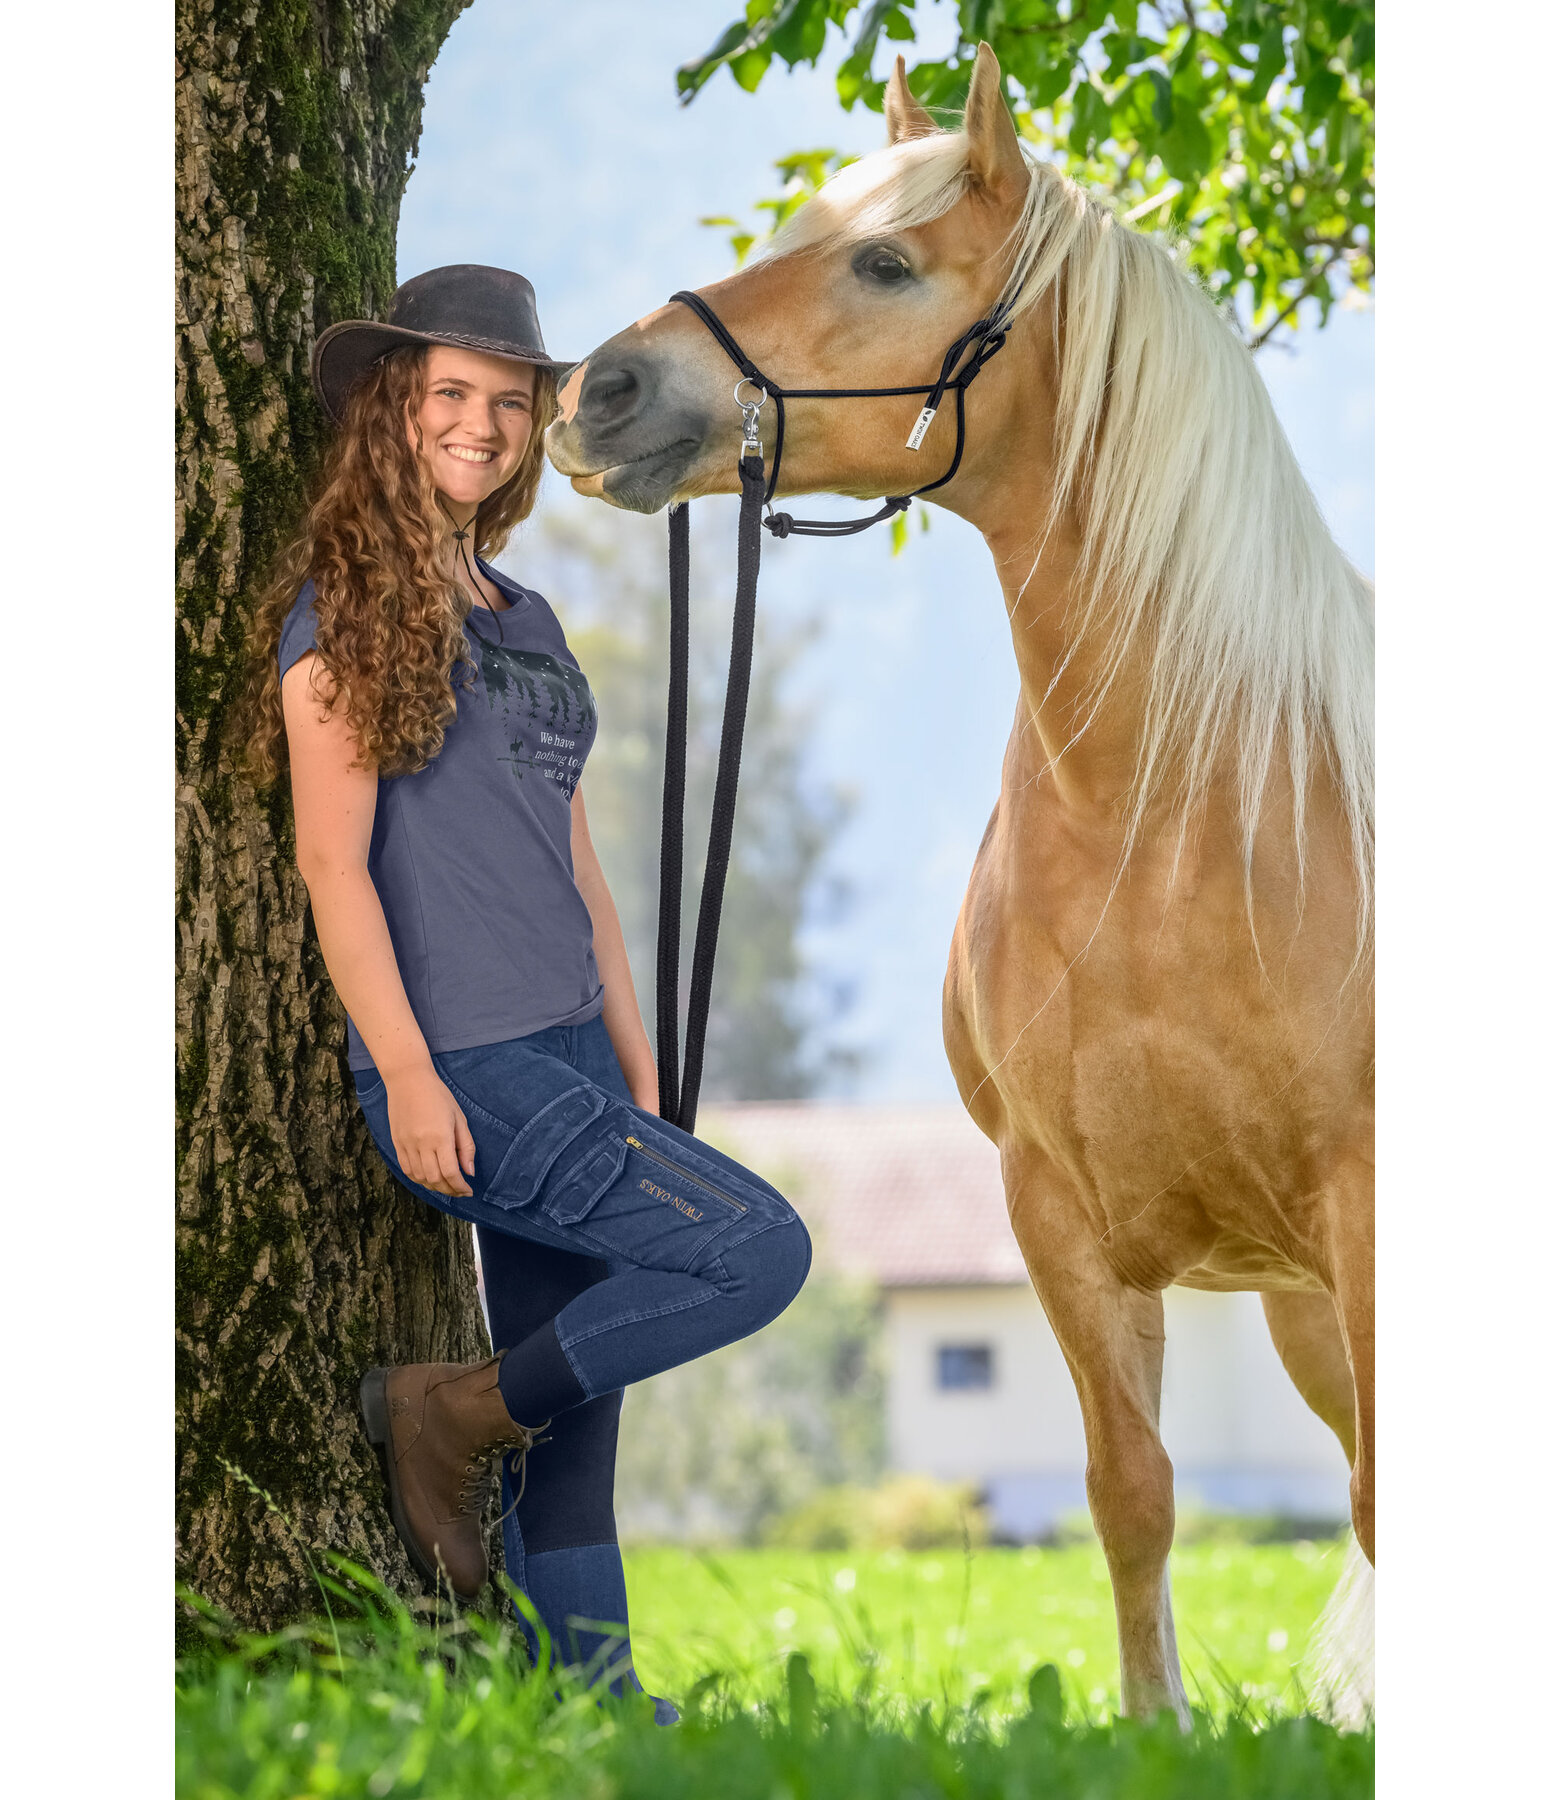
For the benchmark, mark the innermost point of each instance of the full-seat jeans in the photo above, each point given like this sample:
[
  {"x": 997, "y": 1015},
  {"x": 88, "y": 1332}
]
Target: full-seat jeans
[{"x": 613, "y": 1246}]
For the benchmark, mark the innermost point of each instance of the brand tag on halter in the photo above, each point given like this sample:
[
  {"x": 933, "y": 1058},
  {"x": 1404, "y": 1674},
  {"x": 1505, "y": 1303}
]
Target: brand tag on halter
[{"x": 913, "y": 441}]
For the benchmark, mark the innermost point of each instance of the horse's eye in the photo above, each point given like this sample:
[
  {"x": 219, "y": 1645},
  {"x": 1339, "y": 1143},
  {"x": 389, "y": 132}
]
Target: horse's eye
[{"x": 879, "y": 264}]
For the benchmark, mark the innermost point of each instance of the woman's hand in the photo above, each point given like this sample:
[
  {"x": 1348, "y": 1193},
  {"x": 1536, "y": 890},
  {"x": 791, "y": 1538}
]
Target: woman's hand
[{"x": 430, "y": 1136}]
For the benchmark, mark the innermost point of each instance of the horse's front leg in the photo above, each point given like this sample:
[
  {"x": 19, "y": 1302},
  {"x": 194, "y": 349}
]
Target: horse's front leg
[
  {"x": 1349, "y": 1239},
  {"x": 1112, "y": 1338}
]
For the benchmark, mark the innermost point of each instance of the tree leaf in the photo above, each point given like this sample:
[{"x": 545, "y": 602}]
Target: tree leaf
[
  {"x": 1053, "y": 82},
  {"x": 858, "y": 65},
  {"x": 1186, "y": 147},
  {"x": 748, "y": 69},
  {"x": 1321, "y": 91},
  {"x": 693, "y": 75},
  {"x": 1270, "y": 62},
  {"x": 740, "y": 42},
  {"x": 801, "y": 37},
  {"x": 1089, "y": 119},
  {"x": 1124, "y": 50}
]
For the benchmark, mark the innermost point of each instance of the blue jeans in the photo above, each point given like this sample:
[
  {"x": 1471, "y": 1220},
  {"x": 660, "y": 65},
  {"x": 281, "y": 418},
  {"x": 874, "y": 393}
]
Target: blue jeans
[{"x": 613, "y": 1246}]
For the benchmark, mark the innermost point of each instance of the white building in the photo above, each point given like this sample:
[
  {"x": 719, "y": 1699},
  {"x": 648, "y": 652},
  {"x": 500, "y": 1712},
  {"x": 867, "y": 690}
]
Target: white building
[{"x": 910, "y": 1197}]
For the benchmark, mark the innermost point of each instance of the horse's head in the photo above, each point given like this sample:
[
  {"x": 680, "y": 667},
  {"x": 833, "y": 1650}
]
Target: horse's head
[{"x": 866, "y": 288}]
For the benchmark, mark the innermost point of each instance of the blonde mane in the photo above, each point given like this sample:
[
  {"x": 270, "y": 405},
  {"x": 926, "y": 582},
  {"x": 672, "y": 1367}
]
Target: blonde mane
[{"x": 1203, "y": 548}]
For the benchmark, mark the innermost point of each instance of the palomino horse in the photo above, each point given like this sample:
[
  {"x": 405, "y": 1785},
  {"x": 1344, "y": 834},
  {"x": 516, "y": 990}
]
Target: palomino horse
[{"x": 1158, "y": 998}]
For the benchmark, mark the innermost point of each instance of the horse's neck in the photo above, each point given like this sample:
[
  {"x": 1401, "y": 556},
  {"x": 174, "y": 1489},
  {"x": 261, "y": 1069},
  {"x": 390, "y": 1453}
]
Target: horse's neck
[
  {"x": 1087, "y": 727},
  {"x": 1093, "y": 753}
]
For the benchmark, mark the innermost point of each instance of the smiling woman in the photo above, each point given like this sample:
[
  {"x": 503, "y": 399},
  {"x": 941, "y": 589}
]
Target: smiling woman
[{"x": 436, "y": 726}]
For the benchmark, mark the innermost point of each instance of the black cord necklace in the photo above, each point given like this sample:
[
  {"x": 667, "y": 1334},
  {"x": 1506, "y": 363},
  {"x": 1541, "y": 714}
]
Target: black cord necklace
[{"x": 460, "y": 535}]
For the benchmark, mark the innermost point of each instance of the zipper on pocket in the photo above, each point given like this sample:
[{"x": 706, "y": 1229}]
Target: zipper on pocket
[{"x": 688, "y": 1175}]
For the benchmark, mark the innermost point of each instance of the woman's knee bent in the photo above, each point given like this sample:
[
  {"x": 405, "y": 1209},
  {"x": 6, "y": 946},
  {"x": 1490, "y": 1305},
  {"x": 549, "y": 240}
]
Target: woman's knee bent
[{"x": 768, "y": 1269}]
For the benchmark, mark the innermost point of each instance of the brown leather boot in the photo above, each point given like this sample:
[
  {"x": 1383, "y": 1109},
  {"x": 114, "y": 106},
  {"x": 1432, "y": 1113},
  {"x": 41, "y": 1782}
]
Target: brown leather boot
[{"x": 437, "y": 1427}]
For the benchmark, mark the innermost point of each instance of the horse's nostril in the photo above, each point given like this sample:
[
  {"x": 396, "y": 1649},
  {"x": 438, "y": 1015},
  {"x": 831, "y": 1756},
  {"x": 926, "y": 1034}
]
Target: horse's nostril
[{"x": 610, "y": 395}]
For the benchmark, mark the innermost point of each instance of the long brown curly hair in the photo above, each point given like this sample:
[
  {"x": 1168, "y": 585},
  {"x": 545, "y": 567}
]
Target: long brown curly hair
[{"x": 374, "y": 542}]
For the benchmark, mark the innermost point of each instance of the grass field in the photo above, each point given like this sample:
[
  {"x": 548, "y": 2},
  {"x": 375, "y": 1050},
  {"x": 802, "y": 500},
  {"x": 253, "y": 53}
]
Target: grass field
[
  {"x": 803, "y": 1676},
  {"x": 934, "y": 1626}
]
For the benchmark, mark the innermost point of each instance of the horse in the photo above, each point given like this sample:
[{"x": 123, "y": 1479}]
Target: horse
[{"x": 1158, "y": 997}]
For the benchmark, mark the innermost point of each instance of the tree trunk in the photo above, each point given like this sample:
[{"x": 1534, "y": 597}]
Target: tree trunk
[{"x": 300, "y": 1262}]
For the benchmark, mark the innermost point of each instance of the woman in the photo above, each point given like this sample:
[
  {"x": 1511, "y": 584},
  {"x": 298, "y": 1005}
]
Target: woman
[{"x": 436, "y": 726}]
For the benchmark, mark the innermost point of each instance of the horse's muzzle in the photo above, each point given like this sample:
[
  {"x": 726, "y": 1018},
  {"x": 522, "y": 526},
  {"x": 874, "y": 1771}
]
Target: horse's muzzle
[{"x": 633, "y": 432}]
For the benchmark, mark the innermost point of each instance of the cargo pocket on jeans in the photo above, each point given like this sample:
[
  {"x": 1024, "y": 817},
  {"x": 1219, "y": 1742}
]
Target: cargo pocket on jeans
[
  {"x": 540, "y": 1142},
  {"x": 574, "y": 1192}
]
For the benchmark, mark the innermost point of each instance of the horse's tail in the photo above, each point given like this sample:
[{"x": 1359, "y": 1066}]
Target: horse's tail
[{"x": 1342, "y": 1655}]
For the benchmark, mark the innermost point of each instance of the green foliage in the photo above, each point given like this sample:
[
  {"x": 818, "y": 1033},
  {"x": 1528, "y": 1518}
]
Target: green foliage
[
  {"x": 801, "y": 173},
  {"x": 1245, "y": 128},
  {"x": 428, "y": 1707}
]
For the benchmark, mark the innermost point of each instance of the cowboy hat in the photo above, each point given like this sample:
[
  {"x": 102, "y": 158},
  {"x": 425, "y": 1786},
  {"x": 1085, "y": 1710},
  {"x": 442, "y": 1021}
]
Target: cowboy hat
[{"x": 464, "y": 304}]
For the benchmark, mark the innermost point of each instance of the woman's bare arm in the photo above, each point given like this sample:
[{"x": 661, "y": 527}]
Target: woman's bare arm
[
  {"x": 336, "y": 802},
  {"x": 621, "y": 1008}
]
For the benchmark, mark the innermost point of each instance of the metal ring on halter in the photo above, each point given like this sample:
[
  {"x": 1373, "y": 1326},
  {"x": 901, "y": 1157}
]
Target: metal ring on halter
[{"x": 750, "y": 410}]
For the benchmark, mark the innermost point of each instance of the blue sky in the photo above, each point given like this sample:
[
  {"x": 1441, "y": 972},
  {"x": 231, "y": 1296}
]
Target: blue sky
[{"x": 554, "y": 144}]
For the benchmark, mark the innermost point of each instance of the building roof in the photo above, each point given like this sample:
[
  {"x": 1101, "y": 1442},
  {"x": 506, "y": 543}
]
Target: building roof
[{"x": 907, "y": 1196}]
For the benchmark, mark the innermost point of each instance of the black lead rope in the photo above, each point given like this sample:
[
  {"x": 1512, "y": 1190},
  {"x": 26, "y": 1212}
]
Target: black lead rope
[
  {"x": 674, "y": 770},
  {"x": 962, "y": 363},
  {"x": 679, "y": 1108}
]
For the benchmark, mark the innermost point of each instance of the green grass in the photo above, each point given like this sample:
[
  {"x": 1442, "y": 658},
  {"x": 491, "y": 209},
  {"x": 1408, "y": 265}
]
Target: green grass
[
  {"x": 795, "y": 1686},
  {"x": 931, "y": 1627}
]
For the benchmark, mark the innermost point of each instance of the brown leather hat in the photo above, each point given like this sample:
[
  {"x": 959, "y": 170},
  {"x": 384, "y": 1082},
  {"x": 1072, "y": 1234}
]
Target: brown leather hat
[{"x": 466, "y": 304}]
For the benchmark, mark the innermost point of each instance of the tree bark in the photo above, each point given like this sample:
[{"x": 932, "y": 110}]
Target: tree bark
[{"x": 300, "y": 1262}]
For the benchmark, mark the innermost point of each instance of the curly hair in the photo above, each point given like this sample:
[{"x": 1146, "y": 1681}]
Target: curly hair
[{"x": 389, "y": 617}]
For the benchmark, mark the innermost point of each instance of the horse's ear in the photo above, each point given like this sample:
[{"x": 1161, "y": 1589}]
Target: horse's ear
[
  {"x": 905, "y": 116},
  {"x": 995, "y": 161}
]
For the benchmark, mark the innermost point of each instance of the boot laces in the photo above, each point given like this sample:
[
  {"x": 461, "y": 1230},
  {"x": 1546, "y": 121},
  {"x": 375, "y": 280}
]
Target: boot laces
[{"x": 480, "y": 1474}]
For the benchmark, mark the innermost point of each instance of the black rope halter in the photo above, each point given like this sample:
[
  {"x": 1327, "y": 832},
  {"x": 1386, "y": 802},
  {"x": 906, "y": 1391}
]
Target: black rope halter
[
  {"x": 962, "y": 363},
  {"x": 975, "y": 348}
]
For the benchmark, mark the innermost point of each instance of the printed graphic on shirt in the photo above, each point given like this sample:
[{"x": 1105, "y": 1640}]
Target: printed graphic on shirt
[{"x": 547, "y": 709}]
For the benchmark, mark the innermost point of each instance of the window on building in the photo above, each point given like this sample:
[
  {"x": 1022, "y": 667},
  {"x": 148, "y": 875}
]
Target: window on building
[{"x": 965, "y": 1366}]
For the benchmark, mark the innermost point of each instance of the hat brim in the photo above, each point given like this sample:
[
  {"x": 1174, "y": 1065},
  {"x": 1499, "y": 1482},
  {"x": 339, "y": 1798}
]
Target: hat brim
[{"x": 343, "y": 354}]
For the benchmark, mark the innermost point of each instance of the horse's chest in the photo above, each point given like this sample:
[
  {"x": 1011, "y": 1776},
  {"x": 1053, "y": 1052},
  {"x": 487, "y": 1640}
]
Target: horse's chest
[{"x": 1113, "y": 1029}]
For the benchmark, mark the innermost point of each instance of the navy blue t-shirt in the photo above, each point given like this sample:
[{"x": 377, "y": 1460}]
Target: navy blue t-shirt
[{"x": 470, "y": 856}]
